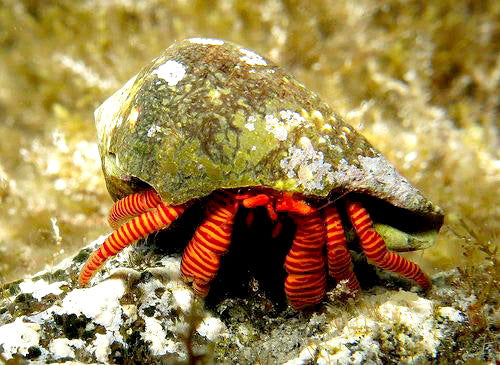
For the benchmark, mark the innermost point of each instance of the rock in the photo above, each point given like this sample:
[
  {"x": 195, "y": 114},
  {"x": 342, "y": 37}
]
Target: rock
[
  {"x": 401, "y": 323},
  {"x": 137, "y": 309}
]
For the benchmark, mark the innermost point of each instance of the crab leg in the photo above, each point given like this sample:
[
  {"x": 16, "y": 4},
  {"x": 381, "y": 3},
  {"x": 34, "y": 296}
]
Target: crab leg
[
  {"x": 132, "y": 205},
  {"x": 201, "y": 258},
  {"x": 139, "y": 227},
  {"x": 339, "y": 258},
  {"x": 305, "y": 284},
  {"x": 375, "y": 250}
]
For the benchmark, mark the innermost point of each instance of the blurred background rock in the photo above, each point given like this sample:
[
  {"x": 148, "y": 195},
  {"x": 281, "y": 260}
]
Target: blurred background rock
[{"x": 420, "y": 79}]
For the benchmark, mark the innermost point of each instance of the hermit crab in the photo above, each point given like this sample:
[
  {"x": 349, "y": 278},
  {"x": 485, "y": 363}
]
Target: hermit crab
[{"x": 211, "y": 121}]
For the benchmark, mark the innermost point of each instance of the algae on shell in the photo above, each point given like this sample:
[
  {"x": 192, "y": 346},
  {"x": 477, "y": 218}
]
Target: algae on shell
[{"x": 208, "y": 114}]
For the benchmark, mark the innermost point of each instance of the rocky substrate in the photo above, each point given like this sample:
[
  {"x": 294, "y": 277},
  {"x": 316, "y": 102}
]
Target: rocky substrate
[{"x": 138, "y": 310}]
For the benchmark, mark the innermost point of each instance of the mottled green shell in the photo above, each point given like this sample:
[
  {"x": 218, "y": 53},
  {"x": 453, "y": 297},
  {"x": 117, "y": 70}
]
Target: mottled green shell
[{"x": 207, "y": 114}]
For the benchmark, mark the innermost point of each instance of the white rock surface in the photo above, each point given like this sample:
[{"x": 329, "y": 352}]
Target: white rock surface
[
  {"x": 18, "y": 337},
  {"x": 142, "y": 312}
]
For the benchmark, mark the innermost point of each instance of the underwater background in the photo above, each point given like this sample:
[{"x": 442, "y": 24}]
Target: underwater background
[{"x": 419, "y": 79}]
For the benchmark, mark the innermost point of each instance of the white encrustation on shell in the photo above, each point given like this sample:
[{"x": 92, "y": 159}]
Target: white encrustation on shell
[
  {"x": 207, "y": 41},
  {"x": 252, "y": 58},
  {"x": 307, "y": 166},
  {"x": 171, "y": 71}
]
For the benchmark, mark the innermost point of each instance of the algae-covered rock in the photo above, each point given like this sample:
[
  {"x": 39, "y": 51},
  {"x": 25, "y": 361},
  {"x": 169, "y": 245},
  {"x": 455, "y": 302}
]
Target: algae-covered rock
[
  {"x": 143, "y": 317},
  {"x": 139, "y": 311}
]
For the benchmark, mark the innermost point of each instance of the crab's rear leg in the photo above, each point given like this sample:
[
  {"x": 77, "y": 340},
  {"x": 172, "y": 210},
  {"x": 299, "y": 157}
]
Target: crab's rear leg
[
  {"x": 375, "y": 250},
  {"x": 339, "y": 258},
  {"x": 132, "y": 205},
  {"x": 139, "y": 227},
  {"x": 201, "y": 258},
  {"x": 305, "y": 284}
]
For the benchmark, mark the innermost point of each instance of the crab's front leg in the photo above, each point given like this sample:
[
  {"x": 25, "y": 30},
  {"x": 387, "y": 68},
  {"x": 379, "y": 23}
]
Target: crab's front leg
[
  {"x": 201, "y": 258},
  {"x": 339, "y": 258},
  {"x": 139, "y": 227},
  {"x": 305, "y": 284},
  {"x": 375, "y": 250}
]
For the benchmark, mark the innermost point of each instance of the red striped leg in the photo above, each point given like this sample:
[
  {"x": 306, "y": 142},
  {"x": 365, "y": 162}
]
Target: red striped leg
[
  {"x": 374, "y": 247},
  {"x": 201, "y": 258},
  {"x": 133, "y": 205},
  {"x": 135, "y": 229},
  {"x": 339, "y": 258},
  {"x": 305, "y": 284}
]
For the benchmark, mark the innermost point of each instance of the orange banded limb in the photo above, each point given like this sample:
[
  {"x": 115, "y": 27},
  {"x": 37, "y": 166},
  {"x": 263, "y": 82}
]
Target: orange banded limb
[
  {"x": 135, "y": 229},
  {"x": 289, "y": 204},
  {"x": 339, "y": 258},
  {"x": 132, "y": 205},
  {"x": 253, "y": 201},
  {"x": 305, "y": 290},
  {"x": 201, "y": 258},
  {"x": 375, "y": 249},
  {"x": 305, "y": 284}
]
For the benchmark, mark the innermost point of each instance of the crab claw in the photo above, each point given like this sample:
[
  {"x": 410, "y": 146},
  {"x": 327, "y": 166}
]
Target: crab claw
[{"x": 289, "y": 204}]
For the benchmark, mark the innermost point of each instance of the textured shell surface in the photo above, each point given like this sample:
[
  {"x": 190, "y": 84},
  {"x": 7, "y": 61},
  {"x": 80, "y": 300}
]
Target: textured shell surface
[{"x": 208, "y": 114}]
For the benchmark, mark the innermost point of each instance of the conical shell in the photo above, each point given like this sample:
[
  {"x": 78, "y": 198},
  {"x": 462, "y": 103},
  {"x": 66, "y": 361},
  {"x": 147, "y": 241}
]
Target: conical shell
[{"x": 208, "y": 114}]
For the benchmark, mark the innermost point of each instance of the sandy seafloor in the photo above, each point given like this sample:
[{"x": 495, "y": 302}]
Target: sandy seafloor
[{"x": 419, "y": 79}]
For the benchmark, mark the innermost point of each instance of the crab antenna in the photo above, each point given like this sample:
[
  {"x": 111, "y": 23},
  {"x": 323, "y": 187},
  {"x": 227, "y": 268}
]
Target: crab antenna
[
  {"x": 132, "y": 205},
  {"x": 375, "y": 250},
  {"x": 330, "y": 201},
  {"x": 139, "y": 227}
]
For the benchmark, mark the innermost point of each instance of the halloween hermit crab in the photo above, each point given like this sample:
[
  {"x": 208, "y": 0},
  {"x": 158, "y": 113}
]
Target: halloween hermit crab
[{"x": 210, "y": 120}]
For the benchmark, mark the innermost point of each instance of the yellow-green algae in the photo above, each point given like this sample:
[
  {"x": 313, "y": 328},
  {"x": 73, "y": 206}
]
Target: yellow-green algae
[{"x": 419, "y": 79}]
